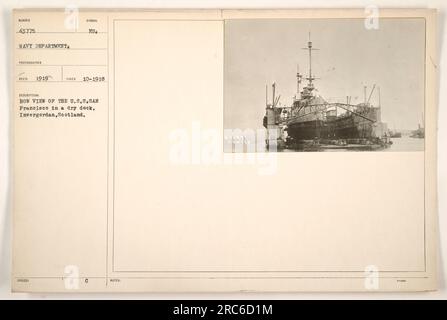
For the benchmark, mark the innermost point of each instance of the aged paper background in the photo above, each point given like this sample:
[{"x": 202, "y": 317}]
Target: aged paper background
[{"x": 114, "y": 204}]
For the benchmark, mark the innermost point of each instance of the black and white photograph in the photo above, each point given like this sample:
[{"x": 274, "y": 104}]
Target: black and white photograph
[{"x": 324, "y": 85}]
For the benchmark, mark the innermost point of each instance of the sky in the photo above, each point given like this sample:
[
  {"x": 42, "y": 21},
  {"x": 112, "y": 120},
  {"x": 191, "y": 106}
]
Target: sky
[{"x": 261, "y": 51}]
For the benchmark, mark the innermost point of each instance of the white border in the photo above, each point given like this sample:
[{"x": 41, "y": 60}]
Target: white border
[{"x": 5, "y": 103}]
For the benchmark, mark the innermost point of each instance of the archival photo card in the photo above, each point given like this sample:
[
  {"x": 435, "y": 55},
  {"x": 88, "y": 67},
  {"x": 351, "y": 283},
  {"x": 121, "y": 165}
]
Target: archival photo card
[
  {"x": 144, "y": 150},
  {"x": 324, "y": 84}
]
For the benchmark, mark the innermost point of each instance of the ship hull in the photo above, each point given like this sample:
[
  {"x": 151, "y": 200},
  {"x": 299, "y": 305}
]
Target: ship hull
[
  {"x": 344, "y": 128},
  {"x": 306, "y": 130}
]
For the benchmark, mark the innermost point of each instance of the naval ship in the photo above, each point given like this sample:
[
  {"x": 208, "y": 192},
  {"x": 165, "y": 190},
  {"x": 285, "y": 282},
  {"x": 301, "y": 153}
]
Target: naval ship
[
  {"x": 420, "y": 131},
  {"x": 311, "y": 121}
]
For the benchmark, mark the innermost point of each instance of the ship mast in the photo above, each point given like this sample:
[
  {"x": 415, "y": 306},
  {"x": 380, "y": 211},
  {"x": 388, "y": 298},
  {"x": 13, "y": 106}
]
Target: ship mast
[
  {"x": 309, "y": 46},
  {"x": 378, "y": 90},
  {"x": 266, "y": 97},
  {"x": 310, "y": 77}
]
